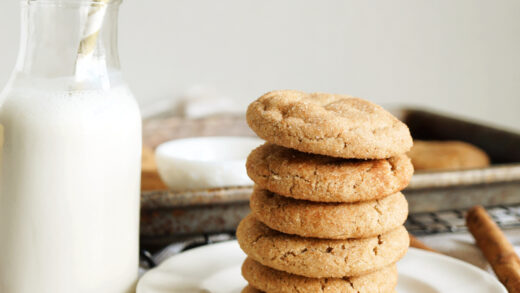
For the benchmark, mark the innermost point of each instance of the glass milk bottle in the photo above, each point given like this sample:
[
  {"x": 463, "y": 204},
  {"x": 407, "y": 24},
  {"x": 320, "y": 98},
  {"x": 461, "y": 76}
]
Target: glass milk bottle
[{"x": 70, "y": 140}]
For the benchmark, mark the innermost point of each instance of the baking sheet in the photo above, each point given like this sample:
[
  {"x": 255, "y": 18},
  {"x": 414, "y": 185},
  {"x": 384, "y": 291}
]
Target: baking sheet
[{"x": 207, "y": 211}]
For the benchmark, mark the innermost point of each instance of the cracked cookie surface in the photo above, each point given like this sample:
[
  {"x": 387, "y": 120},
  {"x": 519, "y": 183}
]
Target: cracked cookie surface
[
  {"x": 328, "y": 124},
  {"x": 270, "y": 281},
  {"x": 329, "y": 220},
  {"x": 319, "y": 258},
  {"x": 326, "y": 179}
]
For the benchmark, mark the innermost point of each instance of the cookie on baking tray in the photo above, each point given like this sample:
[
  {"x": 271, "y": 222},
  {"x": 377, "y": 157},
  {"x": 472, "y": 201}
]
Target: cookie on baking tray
[
  {"x": 328, "y": 124},
  {"x": 271, "y": 280},
  {"x": 447, "y": 155},
  {"x": 319, "y": 258},
  {"x": 326, "y": 179},
  {"x": 329, "y": 220}
]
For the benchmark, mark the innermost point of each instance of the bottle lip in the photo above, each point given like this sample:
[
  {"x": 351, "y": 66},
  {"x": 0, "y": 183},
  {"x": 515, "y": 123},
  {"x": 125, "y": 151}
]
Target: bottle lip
[{"x": 71, "y": 3}]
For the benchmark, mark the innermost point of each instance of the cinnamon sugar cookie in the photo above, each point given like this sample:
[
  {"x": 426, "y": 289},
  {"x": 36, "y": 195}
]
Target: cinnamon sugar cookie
[
  {"x": 329, "y": 220},
  {"x": 439, "y": 155},
  {"x": 250, "y": 289},
  {"x": 271, "y": 280},
  {"x": 326, "y": 179},
  {"x": 328, "y": 124},
  {"x": 320, "y": 258}
]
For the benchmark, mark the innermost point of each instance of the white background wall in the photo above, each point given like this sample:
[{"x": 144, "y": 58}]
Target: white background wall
[{"x": 461, "y": 56}]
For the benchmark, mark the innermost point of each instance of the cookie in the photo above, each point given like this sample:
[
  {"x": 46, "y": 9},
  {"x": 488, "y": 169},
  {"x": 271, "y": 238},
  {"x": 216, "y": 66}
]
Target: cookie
[
  {"x": 326, "y": 179},
  {"x": 250, "y": 289},
  {"x": 148, "y": 159},
  {"x": 328, "y": 124},
  {"x": 329, "y": 220},
  {"x": 447, "y": 155},
  {"x": 320, "y": 258},
  {"x": 270, "y": 280}
]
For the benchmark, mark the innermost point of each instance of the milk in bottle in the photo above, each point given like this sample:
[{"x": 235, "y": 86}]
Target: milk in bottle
[{"x": 70, "y": 146}]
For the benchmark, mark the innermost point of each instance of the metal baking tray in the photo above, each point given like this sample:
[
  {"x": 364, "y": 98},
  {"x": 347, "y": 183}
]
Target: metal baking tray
[
  {"x": 166, "y": 214},
  {"x": 498, "y": 184}
]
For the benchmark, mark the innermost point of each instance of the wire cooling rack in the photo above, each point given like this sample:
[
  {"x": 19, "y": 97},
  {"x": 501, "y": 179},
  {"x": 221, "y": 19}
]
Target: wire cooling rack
[
  {"x": 148, "y": 260},
  {"x": 454, "y": 220}
]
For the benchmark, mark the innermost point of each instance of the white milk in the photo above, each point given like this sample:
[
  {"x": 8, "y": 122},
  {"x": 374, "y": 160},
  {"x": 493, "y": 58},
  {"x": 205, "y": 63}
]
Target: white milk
[{"x": 69, "y": 191}]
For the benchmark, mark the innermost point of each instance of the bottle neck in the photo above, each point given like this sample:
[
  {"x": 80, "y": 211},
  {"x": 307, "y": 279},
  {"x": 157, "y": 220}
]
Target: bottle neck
[{"x": 69, "y": 39}]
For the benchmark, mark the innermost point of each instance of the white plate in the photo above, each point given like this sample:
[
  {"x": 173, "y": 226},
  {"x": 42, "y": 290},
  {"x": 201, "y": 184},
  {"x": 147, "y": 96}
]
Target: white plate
[{"x": 216, "y": 269}]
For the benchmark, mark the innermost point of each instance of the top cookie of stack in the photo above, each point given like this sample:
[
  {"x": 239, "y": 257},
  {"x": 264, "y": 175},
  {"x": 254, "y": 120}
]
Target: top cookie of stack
[
  {"x": 327, "y": 124},
  {"x": 326, "y": 202}
]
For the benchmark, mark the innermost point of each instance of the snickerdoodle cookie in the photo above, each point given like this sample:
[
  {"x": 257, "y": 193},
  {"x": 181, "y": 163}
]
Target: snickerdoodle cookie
[
  {"x": 326, "y": 179},
  {"x": 329, "y": 220},
  {"x": 320, "y": 258},
  {"x": 271, "y": 280},
  {"x": 328, "y": 124},
  {"x": 250, "y": 289},
  {"x": 438, "y": 155}
]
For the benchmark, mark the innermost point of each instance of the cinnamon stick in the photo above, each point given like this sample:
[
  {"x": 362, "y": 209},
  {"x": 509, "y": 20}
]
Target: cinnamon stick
[
  {"x": 414, "y": 242},
  {"x": 496, "y": 248}
]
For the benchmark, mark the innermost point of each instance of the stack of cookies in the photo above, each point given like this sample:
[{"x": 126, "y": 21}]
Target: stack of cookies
[{"x": 327, "y": 214}]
